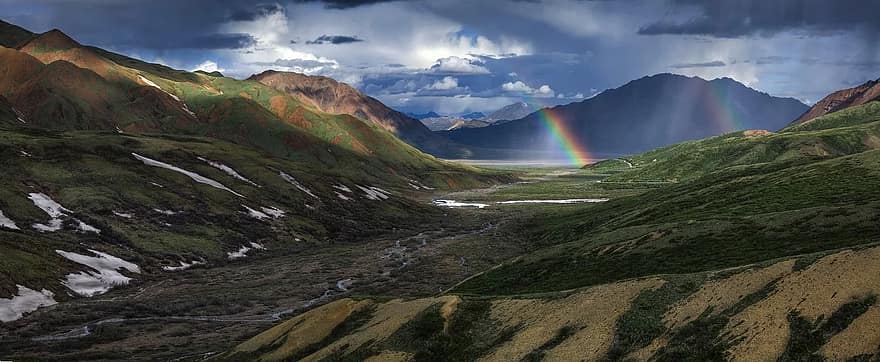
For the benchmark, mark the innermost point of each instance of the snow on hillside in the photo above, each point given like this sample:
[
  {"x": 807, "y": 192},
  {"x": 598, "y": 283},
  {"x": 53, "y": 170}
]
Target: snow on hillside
[
  {"x": 6, "y": 222},
  {"x": 374, "y": 193},
  {"x": 228, "y": 170},
  {"x": 27, "y": 300},
  {"x": 183, "y": 265},
  {"x": 196, "y": 177},
  {"x": 103, "y": 276},
  {"x": 55, "y": 212},
  {"x": 242, "y": 252},
  {"x": 296, "y": 183}
]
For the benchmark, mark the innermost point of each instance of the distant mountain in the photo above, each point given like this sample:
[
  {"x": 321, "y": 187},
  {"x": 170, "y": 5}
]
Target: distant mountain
[
  {"x": 473, "y": 115},
  {"x": 440, "y": 123},
  {"x": 421, "y": 116},
  {"x": 510, "y": 112},
  {"x": 646, "y": 113},
  {"x": 328, "y": 95},
  {"x": 473, "y": 123},
  {"x": 842, "y": 99}
]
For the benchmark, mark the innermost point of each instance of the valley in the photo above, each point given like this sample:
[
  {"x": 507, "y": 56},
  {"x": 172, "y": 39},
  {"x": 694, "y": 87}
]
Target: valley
[
  {"x": 290, "y": 191},
  {"x": 211, "y": 308}
]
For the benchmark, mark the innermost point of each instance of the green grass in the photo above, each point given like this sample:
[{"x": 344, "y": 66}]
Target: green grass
[
  {"x": 94, "y": 174},
  {"x": 727, "y": 218}
]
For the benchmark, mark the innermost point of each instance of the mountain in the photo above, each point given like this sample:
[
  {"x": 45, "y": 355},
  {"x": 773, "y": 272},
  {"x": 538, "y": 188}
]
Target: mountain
[
  {"x": 328, "y": 95},
  {"x": 643, "y": 114},
  {"x": 474, "y": 123},
  {"x": 440, "y": 123},
  {"x": 842, "y": 99},
  {"x": 421, "y": 116},
  {"x": 473, "y": 115},
  {"x": 112, "y": 163},
  {"x": 510, "y": 112}
]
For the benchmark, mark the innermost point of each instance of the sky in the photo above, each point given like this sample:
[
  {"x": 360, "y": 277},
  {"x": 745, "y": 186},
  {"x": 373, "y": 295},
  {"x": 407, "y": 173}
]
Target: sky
[{"x": 460, "y": 56}]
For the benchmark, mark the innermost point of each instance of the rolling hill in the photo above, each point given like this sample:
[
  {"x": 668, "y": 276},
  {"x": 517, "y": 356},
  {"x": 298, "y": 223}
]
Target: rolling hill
[
  {"x": 842, "y": 99},
  {"x": 643, "y": 114},
  {"x": 118, "y": 170},
  {"x": 328, "y": 95}
]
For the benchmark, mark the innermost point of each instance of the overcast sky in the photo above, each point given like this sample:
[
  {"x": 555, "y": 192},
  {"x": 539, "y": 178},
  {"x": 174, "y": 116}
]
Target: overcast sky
[{"x": 457, "y": 56}]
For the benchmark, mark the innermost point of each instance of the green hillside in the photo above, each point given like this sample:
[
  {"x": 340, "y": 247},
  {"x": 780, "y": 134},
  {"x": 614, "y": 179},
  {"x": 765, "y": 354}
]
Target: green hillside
[{"x": 841, "y": 133}]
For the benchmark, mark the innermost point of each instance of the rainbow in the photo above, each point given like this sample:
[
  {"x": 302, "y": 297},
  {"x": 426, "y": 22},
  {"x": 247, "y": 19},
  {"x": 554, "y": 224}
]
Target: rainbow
[
  {"x": 726, "y": 116},
  {"x": 577, "y": 154}
]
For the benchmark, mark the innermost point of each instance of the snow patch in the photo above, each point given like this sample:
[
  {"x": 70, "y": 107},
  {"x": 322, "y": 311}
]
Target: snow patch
[
  {"x": 196, "y": 177},
  {"x": 453, "y": 203},
  {"x": 157, "y": 185},
  {"x": 242, "y": 252},
  {"x": 25, "y": 153},
  {"x": 341, "y": 196},
  {"x": 166, "y": 212},
  {"x": 228, "y": 170},
  {"x": 18, "y": 115},
  {"x": 342, "y": 187},
  {"x": 55, "y": 212},
  {"x": 27, "y": 300},
  {"x": 273, "y": 211},
  {"x": 183, "y": 266},
  {"x": 415, "y": 184},
  {"x": 6, "y": 222},
  {"x": 103, "y": 276},
  {"x": 259, "y": 215},
  {"x": 374, "y": 193},
  {"x": 296, "y": 183},
  {"x": 124, "y": 215}
]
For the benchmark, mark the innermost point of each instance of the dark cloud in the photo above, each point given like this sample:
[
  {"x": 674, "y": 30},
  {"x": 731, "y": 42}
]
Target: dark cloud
[
  {"x": 736, "y": 18},
  {"x": 206, "y": 41},
  {"x": 294, "y": 63},
  {"x": 258, "y": 11},
  {"x": 345, "y": 4},
  {"x": 334, "y": 39},
  {"x": 773, "y": 59},
  {"x": 714, "y": 63}
]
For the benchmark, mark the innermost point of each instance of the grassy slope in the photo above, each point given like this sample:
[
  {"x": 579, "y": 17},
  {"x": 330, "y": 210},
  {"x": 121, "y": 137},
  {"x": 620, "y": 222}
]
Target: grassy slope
[
  {"x": 243, "y": 112},
  {"x": 841, "y": 133},
  {"x": 94, "y": 173},
  {"x": 748, "y": 250},
  {"x": 744, "y": 200}
]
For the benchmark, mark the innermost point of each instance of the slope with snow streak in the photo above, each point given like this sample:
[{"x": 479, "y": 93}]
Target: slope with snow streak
[
  {"x": 228, "y": 170},
  {"x": 196, "y": 177},
  {"x": 103, "y": 276},
  {"x": 296, "y": 183},
  {"x": 27, "y": 300},
  {"x": 374, "y": 193},
  {"x": 183, "y": 265},
  {"x": 55, "y": 212},
  {"x": 242, "y": 252},
  {"x": 6, "y": 222}
]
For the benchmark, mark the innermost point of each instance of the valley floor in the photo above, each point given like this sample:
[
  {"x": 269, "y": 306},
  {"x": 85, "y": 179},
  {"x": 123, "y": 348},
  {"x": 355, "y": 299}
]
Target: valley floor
[
  {"x": 489, "y": 279},
  {"x": 202, "y": 311}
]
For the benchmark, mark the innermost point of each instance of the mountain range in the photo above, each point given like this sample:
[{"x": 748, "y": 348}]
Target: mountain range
[{"x": 645, "y": 113}]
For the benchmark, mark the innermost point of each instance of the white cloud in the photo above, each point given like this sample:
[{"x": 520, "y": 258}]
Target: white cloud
[
  {"x": 458, "y": 65},
  {"x": 446, "y": 83},
  {"x": 517, "y": 86},
  {"x": 543, "y": 91},
  {"x": 208, "y": 66}
]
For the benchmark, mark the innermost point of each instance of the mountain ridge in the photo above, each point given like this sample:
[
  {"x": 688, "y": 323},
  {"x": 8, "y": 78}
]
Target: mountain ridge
[{"x": 644, "y": 113}]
